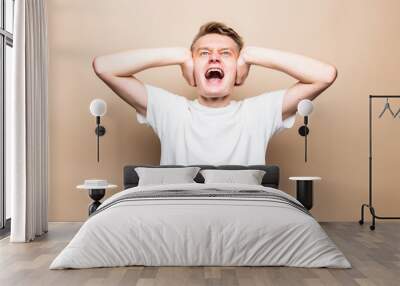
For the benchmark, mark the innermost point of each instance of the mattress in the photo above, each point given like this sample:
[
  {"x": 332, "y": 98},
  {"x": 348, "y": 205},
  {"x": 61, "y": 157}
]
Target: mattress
[{"x": 201, "y": 225}]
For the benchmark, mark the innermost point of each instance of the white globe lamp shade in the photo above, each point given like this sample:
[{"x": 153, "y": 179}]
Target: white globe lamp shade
[
  {"x": 98, "y": 107},
  {"x": 305, "y": 107}
]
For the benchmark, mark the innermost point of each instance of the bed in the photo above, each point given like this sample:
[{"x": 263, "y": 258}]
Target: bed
[{"x": 201, "y": 224}]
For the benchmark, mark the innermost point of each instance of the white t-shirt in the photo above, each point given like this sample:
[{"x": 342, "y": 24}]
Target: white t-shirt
[{"x": 191, "y": 133}]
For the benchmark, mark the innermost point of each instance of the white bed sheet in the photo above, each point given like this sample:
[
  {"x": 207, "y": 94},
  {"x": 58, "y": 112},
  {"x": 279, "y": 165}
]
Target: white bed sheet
[{"x": 200, "y": 231}]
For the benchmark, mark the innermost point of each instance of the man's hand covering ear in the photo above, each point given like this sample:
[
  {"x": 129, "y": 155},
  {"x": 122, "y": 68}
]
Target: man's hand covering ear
[
  {"x": 188, "y": 70},
  {"x": 242, "y": 68}
]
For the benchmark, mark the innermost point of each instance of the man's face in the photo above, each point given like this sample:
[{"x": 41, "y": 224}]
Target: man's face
[{"x": 215, "y": 59}]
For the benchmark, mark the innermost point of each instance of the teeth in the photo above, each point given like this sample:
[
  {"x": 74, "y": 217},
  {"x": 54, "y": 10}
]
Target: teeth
[{"x": 214, "y": 69}]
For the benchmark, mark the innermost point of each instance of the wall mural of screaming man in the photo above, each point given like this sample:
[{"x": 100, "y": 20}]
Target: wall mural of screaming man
[{"x": 214, "y": 129}]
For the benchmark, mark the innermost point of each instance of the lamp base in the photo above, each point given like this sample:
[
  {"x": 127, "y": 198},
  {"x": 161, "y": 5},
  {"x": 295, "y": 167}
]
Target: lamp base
[
  {"x": 303, "y": 130},
  {"x": 100, "y": 130}
]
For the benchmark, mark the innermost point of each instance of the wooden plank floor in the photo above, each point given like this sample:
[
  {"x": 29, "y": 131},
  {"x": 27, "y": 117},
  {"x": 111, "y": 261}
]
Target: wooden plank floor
[{"x": 375, "y": 257}]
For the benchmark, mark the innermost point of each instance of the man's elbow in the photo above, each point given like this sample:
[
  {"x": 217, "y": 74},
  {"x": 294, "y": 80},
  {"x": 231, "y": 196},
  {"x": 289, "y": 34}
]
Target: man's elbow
[
  {"x": 97, "y": 66},
  {"x": 330, "y": 75}
]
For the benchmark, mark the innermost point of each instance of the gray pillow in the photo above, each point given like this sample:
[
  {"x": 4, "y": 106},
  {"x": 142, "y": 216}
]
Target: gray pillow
[
  {"x": 249, "y": 177},
  {"x": 162, "y": 176}
]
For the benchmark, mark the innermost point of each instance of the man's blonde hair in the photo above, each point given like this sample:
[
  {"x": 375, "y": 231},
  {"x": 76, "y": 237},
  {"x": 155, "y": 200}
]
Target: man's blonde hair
[{"x": 218, "y": 28}]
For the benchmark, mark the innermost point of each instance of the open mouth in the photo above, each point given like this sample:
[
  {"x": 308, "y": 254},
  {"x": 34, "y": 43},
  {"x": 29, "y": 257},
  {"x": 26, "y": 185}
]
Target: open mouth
[{"x": 214, "y": 74}]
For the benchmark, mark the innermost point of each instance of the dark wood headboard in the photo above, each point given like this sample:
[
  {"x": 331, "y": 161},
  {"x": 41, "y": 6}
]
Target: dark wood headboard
[{"x": 270, "y": 179}]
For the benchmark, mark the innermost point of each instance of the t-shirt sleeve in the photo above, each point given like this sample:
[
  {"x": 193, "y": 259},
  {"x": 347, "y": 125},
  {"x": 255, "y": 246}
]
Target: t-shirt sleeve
[
  {"x": 163, "y": 109},
  {"x": 267, "y": 107}
]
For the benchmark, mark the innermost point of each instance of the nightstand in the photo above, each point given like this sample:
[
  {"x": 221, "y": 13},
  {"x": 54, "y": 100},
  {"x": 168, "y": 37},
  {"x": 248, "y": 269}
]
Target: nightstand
[
  {"x": 304, "y": 190},
  {"x": 97, "y": 190}
]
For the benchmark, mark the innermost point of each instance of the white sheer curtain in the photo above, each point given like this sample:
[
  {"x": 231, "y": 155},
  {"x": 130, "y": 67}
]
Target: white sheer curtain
[{"x": 26, "y": 123}]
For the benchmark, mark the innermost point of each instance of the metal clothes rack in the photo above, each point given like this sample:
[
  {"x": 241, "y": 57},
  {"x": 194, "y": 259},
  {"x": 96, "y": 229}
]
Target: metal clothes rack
[{"x": 370, "y": 205}]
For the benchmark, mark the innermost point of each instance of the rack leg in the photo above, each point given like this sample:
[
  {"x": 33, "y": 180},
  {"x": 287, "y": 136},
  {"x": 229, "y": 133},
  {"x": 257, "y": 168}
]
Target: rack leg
[
  {"x": 361, "y": 221},
  {"x": 372, "y": 210},
  {"x": 374, "y": 216}
]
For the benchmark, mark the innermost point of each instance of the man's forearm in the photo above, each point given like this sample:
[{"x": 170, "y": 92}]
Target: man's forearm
[
  {"x": 132, "y": 61},
  {"x": 306, "y": 70}
]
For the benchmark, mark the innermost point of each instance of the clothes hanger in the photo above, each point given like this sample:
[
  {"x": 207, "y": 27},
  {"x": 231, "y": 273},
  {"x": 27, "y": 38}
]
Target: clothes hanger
[
  {"x": 387, "y": 106},
  {"x": 398, "y": 111}
]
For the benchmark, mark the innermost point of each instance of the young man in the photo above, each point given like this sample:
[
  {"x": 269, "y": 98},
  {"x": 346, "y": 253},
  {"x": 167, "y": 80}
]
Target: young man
[{"x": 214, "y": 129}]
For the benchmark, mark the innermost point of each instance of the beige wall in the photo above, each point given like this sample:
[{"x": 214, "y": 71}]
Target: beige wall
[{"x": 361, "y": 38}]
